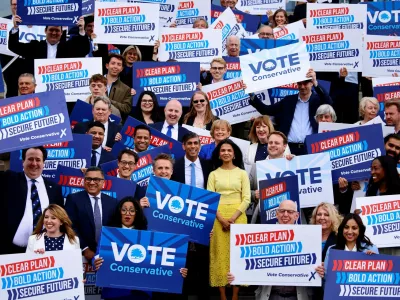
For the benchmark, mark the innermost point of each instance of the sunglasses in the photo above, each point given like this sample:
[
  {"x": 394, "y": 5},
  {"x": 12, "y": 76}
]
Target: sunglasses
[{"x": 197, "y": 101}]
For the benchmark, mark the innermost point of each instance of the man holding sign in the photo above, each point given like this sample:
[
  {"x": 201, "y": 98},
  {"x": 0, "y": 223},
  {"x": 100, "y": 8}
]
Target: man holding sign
[{"x": 294, "y": 115}]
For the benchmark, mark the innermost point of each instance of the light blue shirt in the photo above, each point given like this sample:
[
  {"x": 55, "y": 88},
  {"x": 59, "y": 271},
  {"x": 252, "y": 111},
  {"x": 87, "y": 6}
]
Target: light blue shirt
[{"x": 301, "y": 126}]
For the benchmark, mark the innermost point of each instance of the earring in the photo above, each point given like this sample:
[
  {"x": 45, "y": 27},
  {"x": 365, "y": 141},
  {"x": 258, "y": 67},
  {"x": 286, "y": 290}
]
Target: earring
[{"x": 234, "y": 157}]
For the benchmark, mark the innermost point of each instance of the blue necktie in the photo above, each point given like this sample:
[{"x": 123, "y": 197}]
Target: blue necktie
[
  {"x": 36, "y": 208},
  {"x": 93, "y": 161},
  {"x": 193, "y": 174},
  {"x": 97, "y": 218},
  {"x": 90, "y": 54},
  {"x": 169, "y": 131}
]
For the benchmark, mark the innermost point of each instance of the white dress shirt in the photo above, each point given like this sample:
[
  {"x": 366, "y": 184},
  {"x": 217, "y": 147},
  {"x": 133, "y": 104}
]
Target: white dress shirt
[
  {"x": 98, "y": 154},
  {"x": 105, "y": 134},
  {"x": 353, "y": 250},
  {"x": 51, "y": 50},
  {"x": 25, "y": 227},
  {"x": 174, "y": 130},
  {"x": 198, "y": 171}
]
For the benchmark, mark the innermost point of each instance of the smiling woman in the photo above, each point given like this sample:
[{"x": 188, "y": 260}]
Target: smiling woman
[{"x": 200, "y": 114}]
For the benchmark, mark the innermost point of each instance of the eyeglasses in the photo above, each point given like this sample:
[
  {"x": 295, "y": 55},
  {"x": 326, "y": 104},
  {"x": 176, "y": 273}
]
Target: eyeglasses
[
  {"x": 266, "y": 34},
  {"x": 147, "y": 101},
  {"x": 217, "y": 68},
  {"x": 130, "y": 163},
  {"x": 94, "y": 179},
  {"x": 197, "y": 101},
  {"x": 126, "y": 211},
  {"x": 283, "y": 211}
]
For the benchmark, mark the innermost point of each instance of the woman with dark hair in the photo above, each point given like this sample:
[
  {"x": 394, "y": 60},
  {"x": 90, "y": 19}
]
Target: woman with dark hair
[
  {"x": 147, "y": 109},
  {"x": 350, "y": 237},
  {"x": 232, "y": 182},
  {"x": 200, "y": 114},
  {"x": 280, "y": 18},
  {"x": 384, "y": 177}
]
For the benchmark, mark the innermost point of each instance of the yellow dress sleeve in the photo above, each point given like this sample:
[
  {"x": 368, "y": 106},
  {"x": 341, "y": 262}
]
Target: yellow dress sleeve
[
  {"x": 211, "y": 182},
  {"x": 246, "y": 195}
]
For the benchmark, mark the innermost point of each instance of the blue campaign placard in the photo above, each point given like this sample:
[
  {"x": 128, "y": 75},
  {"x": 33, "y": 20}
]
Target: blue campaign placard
[
  {"x": 248, "y": 46},
  {"x": 168, "y": 80},
  {"x": 87, "y": 7},
  {"x": 383, "y": 18},
  {"x": 33, "y": 120},
  {"x": 82, "y": 112},
  {"x": 143, "y": 170},
  {"x": 74, "y": 154},
  {"x": 72, "y": 180},
  {"x": 273, "y": 192},
  {"x": 353, "y": 275},
  {"x": 157, "y": 139},
  {"x": 181, "y": 208},
  {"x": 1, "y": 81},
  {"x": 49, "y": 12},
  {"x": 249, "y": 22},
  {"x": 351, "y": 150},
  {"x": 142, "y": 260}
]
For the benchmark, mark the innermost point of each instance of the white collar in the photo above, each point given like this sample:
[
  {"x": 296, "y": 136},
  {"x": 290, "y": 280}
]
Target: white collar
[
  {"x": 347, "y": 249},
  {"x": 98, "y": 150},
  {"x": 98, "y": 196},
  {"x": 166, "y": 125},
  {"x": 188, "y": 162},
  {"x": 38, "y": 180},
  {"x": 48, "y": 44},
  {"x": 132, "y": 227}
]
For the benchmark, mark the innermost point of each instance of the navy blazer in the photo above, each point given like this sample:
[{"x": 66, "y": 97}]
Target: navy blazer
[
  {"x": 14, "y": 191},
  {"x": 181, "y": 130},
  {"x": 283, "y": 111},
  {"x": 80, "y": 211},
  {"x": 105, "y": 157},
  {"x": 179, "y": 170},
  {"x": 113, "y": 129}
]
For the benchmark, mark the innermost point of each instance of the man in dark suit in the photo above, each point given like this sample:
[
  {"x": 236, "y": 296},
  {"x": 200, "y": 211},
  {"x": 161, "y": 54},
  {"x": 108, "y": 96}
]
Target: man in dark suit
[
  {"x": 89, "y": 210},
  {"x": 118, "y": 92},
  {"x": 55, "y": 45},
  {"x": 101, "y": 113},
  {"x": 294, "y": 114},
  {"x": 99, "y": 154},
  {"x": 190, "y": 169},
  {"x": 24, "y": 196},
  {"x": 170, "y": 127}
]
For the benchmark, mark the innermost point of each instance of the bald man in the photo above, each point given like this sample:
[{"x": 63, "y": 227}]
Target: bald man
[
  {"x": 170, "y": 127},
  {"x": 233, "y": 46}
]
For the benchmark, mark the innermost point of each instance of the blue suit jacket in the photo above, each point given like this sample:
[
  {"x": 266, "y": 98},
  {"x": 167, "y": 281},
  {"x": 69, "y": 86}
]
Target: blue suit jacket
[
  {"x": 283, "y": 111},
  {"x": 181, "y": 130},
  {"x": 105, "y": 157},
  {"x": 80, "y": 211},
  {"x": 206, "y": 151}
]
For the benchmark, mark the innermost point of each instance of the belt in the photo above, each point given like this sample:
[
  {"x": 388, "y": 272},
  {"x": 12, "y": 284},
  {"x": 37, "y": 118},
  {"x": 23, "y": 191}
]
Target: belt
[{"x": 297, "y": 145}]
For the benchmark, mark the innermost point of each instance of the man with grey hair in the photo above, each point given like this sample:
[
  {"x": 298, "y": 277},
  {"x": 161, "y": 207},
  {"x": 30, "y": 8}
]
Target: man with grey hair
[
  {"x": 325, "y": 113},
  {"x": 287, "y": 215},
  {"x": 101, "y": 112},
  {"x": 233, "y": 46},
  {"x": 26, "y": 84},
  {"x": 265, "y": 32}
]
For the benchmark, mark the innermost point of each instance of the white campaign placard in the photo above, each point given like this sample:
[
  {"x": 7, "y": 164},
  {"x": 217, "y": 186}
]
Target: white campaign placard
[
  {"x": 228, "y": 24},
  {"x": 381, "y": 216},
  {"x": 26, "y": 34},
  {"x": 55, "y": 275},
  {"x": 385, "y": 81},
  {"x": 331, "y": 50},
  {"x": 189, "y": 11},
  {"x": 336, "y": 16},
  {"x": 381, "y": 56},
  {"x": 229, "y": 102},
  {"x": 126, "y": 23},
  {"x": 68, "y": 74},
  {"x": 289, "y": 31},
  {"x": 275, "y": 67},
  {"x": 286, "y": 255},
  {"x": 314, "y": 172},
  {"x": 183, "y": 44},
  {"x": 260, "y": 7}
]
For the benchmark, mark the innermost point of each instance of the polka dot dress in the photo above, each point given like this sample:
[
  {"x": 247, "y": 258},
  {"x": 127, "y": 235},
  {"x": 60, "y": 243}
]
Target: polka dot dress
[{"x": 54, "y": 243}]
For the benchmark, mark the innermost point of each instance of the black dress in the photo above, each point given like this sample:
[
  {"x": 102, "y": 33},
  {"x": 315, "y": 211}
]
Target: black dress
[{"x": 54, "y": 243}]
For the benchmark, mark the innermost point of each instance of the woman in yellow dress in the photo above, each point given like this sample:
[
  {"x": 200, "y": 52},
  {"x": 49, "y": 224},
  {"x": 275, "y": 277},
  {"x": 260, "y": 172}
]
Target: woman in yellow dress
[{"x": 232, "y": 182}]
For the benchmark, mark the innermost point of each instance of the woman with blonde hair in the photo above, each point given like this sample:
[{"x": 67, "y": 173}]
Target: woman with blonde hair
[
  {"x": 131, "y": 55},
  {"x": 53, "y": 232},
  {"x": 200, "y": 114},
  {"x": 258, "y": 135},
  {"x": 368, "y": 109},
  {"x": 220, "y": 130}
]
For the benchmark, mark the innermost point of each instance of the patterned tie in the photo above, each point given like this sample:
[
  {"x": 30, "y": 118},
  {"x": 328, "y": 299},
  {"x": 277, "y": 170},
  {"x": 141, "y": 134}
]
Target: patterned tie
[
  {"x": 97, "y": 218},
  {"x": 93, "y": 161},
  {"x": 169, "y": 131},
  {"x": 36, "y": 208},
  {"x": 193, "y": 174}
]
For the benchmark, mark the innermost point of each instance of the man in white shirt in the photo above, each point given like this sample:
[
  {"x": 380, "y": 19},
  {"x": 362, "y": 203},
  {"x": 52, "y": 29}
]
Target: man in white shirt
[
  {"x": 24, "y": 197},
  {"x": 170, "y": 127},
  {"x": 99, "y": 154}
]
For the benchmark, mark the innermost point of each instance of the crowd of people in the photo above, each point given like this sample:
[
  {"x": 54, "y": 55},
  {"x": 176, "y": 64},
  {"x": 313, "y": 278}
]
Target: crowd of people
[{"x": 37, "y": 218}]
